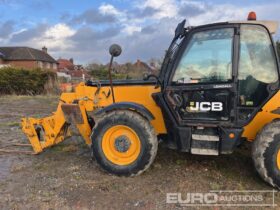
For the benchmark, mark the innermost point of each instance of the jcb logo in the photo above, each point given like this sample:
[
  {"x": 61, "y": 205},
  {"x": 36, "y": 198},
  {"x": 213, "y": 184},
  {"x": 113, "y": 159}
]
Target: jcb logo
[{"x": 206, "y": 106}]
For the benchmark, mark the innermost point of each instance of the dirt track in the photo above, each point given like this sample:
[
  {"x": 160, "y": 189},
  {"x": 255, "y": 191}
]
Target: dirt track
[{"x": 65, "y": 177}]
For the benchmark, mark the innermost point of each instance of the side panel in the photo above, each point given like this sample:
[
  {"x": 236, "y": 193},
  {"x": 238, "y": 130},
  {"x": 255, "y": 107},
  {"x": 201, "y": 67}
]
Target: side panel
[
  {"x": 139, "y": 94},
  {"x": 263, "y": 117}
]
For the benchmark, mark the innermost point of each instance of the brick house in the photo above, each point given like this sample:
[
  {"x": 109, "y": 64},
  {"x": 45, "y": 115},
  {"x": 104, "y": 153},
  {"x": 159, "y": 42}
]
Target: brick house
[
  {"x": 76, "y": 72},
  {"x": 27, "y": 57},
  {"x": 65, "y": 65},
  {"x": 142, "y": 66}
]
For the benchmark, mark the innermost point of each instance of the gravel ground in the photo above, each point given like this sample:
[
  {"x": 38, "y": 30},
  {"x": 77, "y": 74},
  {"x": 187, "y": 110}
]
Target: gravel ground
[{"x": 65, "y": 176}]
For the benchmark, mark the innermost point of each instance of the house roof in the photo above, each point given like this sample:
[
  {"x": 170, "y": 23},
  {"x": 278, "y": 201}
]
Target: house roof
[
  {"x": 141, "y": 64},
  {"x": 25, "y": 53},
  {"x": 65, "y": 64}
]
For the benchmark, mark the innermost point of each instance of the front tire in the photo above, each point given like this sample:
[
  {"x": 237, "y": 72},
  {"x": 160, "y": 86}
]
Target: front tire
[
  {"x": 124, "y": 143},
  {"x": 266, "y": 153}
]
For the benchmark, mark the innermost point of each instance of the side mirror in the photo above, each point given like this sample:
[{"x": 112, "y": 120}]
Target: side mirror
[
  {"x": 115, "y": 50},
  {"x": 180, "y": 29}
]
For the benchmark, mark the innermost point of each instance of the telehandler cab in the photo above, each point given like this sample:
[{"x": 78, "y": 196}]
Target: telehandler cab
[{"x": 218, "y": 86}]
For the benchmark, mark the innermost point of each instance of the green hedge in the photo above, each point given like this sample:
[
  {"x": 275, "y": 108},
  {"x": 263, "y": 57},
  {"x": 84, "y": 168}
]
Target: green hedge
[{"x": 24, "y": 81}]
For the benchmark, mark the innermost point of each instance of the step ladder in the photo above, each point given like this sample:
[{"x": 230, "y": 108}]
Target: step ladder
[{"x": 204, "y": 144}]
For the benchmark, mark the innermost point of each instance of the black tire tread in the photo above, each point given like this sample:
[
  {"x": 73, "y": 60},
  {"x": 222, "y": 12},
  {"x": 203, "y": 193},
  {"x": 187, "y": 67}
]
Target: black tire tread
[{"x": 263, "y": 140}]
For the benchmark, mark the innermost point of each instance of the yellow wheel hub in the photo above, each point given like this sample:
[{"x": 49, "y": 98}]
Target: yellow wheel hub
[
  {"x": 121, "y": 145},
  {"x": 278, "y": 159}
]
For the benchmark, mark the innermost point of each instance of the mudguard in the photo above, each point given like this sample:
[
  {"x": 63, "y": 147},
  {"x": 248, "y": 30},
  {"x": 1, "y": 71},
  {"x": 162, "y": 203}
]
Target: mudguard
[{"x": 130, "y": 106}]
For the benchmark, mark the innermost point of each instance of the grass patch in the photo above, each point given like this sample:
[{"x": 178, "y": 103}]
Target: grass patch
[{"x": 10, "y": 124}]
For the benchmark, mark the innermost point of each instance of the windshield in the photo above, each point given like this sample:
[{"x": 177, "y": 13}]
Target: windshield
[{"x": 207, "y": 58}]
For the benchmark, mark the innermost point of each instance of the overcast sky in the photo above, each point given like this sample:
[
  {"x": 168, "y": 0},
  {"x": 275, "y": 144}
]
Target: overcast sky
[{"x": 85, "y": 29}]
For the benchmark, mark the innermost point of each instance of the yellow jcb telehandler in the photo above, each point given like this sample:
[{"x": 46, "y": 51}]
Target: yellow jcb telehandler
[{"x": 218, "y": 86}]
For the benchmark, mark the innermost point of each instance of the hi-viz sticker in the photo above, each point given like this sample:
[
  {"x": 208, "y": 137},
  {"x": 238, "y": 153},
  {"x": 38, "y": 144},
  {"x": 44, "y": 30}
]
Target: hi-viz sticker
[{"x": 205, "y": 106}]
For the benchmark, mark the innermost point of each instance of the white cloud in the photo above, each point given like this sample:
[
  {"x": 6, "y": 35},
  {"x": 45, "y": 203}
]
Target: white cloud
[
  {"x": 55, "y": 38},
  {"x": 145, "y": 28},
  {"x": 163, "y": 8},
  {"x": 130, "y": 29},
  {"x": 197, "y": 4},
  {"x": 218, "y": 13},
  {"x": 165, "y": 16},
  {"x": 108, "y": 9},
  {"x": 59, "y": 31}
]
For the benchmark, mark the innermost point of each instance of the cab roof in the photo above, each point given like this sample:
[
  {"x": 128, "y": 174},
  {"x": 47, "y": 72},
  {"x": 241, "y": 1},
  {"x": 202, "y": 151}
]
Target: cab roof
[{"x": 272, "y": 26}]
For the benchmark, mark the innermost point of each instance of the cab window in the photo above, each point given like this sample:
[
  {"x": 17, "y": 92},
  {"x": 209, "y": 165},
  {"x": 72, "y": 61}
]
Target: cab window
[
  {"x": 207, "y": 58},
  {"x": 257, "y": 65}
]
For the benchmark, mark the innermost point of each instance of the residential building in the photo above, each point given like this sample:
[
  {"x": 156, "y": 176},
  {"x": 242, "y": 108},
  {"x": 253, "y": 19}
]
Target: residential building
[
  {"x": 26, "y": 57},
  {"x": 76, "y": 72}
]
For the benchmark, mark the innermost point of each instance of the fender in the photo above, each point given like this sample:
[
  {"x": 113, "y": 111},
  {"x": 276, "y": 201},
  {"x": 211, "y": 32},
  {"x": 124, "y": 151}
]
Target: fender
[{"x": 128, "y": 106}]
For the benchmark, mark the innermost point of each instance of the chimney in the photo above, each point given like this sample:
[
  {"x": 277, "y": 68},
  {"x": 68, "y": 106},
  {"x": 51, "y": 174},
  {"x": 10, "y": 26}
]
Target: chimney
[
  {"x": 71, "y": 60},
  {"x": 44, "y": 49},
  {"x": 138, "y": 63}
]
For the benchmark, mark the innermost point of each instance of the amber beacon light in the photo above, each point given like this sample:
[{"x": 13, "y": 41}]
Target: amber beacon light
[{"x": 252, "y": 16}]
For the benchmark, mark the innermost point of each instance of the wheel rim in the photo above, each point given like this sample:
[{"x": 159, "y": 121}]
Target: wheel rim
[
  {"x": 121, "y": 145},
  {"x": 278, "y": 159}
]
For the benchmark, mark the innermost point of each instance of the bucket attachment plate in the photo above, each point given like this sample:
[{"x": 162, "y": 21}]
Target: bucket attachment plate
[
  {"x": 72, "y": 113},
  {"x": 48, "y": 131}
]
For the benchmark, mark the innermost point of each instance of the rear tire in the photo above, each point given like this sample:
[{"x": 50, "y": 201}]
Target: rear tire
[
  {"x": 266, "y": 153},
  {"x": 124, "y": 143}
]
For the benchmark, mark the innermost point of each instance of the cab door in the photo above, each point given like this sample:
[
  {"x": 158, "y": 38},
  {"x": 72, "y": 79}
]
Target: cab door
[
  {"x": 201, "y": 87},
  {"x": 257, "y": 71}
]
